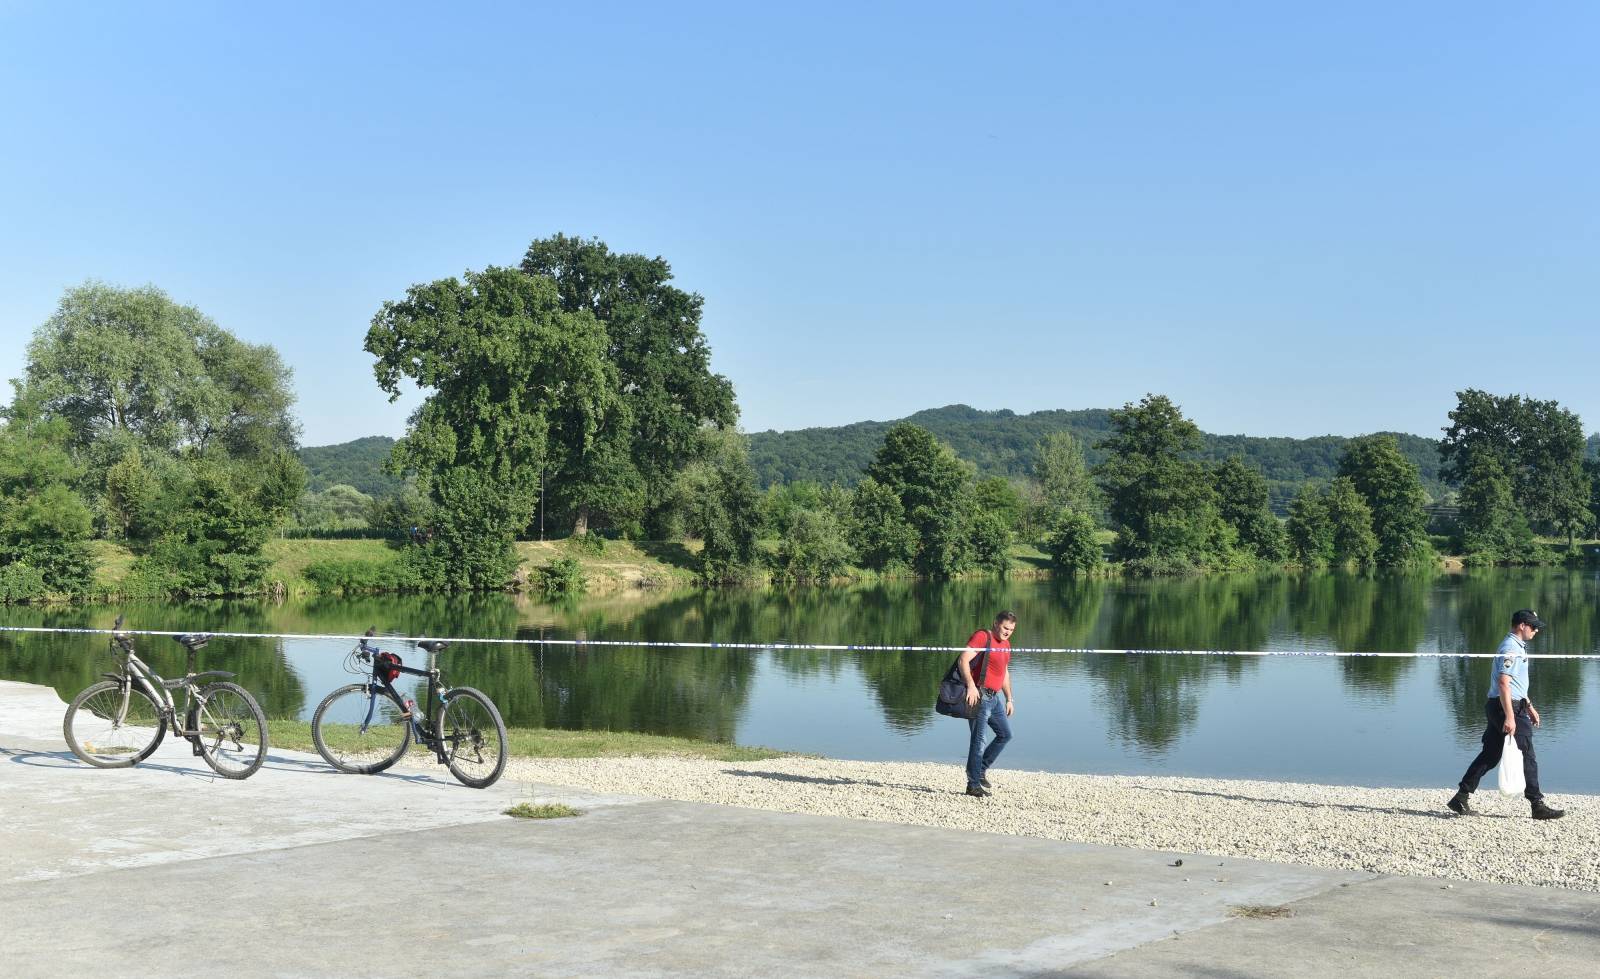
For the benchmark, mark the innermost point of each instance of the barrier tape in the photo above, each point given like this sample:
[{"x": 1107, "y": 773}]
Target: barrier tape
[{"x": 825, "y": 647}]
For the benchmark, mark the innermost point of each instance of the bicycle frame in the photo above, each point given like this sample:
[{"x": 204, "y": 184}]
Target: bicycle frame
[
  {"x": 137, "y": 670},
  {"x": 421, "y": 722}
]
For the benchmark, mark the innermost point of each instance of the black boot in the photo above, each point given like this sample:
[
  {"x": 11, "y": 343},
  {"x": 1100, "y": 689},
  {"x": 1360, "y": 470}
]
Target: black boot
[
  {"x": 1542, "y": 811},
  {"x": 1458, "y": 804}
]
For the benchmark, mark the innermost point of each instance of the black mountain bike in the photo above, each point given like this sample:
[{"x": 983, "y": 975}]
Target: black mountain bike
[
  {"x": 121, "y": 720},
  {"x": 365, "y": 727}
]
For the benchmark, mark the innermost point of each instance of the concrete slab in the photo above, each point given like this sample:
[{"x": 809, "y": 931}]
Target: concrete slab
[{"x": 304, "y": 872}]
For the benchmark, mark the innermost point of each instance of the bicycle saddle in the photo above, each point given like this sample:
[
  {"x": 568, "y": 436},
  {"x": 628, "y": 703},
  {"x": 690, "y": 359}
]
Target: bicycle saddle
[
  {"x": 432, "y": 645},
  {"x": 193, "y": 642}
]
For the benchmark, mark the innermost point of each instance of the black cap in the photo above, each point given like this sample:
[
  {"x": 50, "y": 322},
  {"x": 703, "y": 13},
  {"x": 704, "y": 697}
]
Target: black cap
[{"x": 1527, "y": 616}]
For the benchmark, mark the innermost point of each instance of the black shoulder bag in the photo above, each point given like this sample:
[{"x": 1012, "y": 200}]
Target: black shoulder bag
[{"x": 952, "y": 699}]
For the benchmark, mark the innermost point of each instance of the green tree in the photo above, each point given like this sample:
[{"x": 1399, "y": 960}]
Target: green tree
[
  {"x": 1072, "y": 544},
  {"x": 132, "y": 363},
  {"x": 715, "y": 500},
  {"x": 1539, "y": 444},
  {"x": 882, "y": 536},
  {"x": 990, "y": 539},
  {"x": 812, "y": 547},
  {"x": 1491, "y": 527},
  {"x": 44, "y": 526},
  {"x": 1310, "y": 529},
  {"x": 520, "y": 387},
  {"x": 934, "y": 489},
  {"x": 338, "y": 507},
  {"x": 1349, "y": 523},
  {"x": 1242, "y": 498},
  {"x": 1390, "y": 484},
  {"x": 1063, "y": 475},
  {"x": 662, "y": 361},
  {"x": 1160, "y": 501},
  {"x": 995, "y": 495}
]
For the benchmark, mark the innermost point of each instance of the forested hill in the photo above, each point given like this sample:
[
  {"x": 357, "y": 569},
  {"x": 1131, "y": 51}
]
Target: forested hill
[
  {"x": 358, "y": 464},
  {"x": 1002, "y": 442}
]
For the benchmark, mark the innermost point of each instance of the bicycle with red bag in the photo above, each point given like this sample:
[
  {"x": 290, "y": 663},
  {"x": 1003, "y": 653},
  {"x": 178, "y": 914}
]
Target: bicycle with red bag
[{"x": 364, "y": 728}]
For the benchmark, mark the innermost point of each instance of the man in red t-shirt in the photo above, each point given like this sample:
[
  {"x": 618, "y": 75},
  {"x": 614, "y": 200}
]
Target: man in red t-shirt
[{"x": 990, "y": 647}]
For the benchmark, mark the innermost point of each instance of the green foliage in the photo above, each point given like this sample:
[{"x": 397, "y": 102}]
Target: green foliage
[
  {"x": 662, "y": 376},
  {"x": 1072, "y": 545},
  {"x": 132, "y": 361},
  {"x": 1393, "y": 492},
  {"x": 1160, "y": 500},
  {"x": 215, "y": 517},
  {"x": 812, "y": 547},
  {"x": 932, "y": 485},
  {"x": 352, "y": 576},
  {"x": 1003, "y": 443},
  {"x": 1063, "y": 475},
  {"x": 1349, "y": 524},
  {"x": 520, "y": 387},
  {"x": 591, "y": 544},
  {"x": 1539, "y": 444},
  {"x": 401, "y": 510},
  {"x": 1309, "y": 527},
  {"x": 995, "y": 495},
  {"x": 339, "y": 507},
  {"x": 1491, "y": 528},
  {"x": 989, "y": 541},
  {"x": 561, "y": 579},
  {"x": 44, "y": 526},
  {"x": 359, "y": 463},
  {"x": 882, "y": 537},
  {"x": 1242, "y": 503},
  {"x": 715, "y": 499}
]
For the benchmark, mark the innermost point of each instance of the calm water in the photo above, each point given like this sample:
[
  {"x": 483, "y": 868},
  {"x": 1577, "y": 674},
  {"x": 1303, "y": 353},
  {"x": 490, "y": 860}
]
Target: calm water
[{"x": 1367, "y": 722}]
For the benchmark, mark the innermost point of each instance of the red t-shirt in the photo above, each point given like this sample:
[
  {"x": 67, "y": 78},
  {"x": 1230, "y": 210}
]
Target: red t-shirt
[{"x": 999, "y": 658}]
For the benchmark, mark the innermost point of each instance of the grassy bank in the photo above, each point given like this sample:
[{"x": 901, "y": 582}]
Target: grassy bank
[{"x": 537, "y": 742}]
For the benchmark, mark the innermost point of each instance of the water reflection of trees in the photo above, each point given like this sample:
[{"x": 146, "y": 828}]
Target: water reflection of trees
[
  {"x": 1480, "y": 604},
  {"x": 1364, "y": 612},
  {"x": 68, "y": 662}
]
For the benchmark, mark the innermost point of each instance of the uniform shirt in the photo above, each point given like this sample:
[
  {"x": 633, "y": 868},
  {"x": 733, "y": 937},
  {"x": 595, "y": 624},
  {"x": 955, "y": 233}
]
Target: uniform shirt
[
  {"x": 1511, "y": 660},
  {"x": 994, "y": 675}
]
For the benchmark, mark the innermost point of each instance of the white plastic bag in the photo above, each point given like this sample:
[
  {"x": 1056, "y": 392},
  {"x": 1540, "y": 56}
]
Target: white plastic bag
[{"x": 1511, "y": 782}]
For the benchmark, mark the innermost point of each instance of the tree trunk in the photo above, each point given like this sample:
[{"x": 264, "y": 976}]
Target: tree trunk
[{"x": 580, "y": 524}]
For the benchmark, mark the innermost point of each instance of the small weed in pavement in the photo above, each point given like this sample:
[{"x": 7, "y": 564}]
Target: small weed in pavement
[{"x": 550, "y": 810}]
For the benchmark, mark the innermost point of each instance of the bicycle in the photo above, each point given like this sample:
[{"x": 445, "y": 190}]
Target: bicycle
[
  {"x": 121, "y": 720},
  {"x": 366, "y": 727}
]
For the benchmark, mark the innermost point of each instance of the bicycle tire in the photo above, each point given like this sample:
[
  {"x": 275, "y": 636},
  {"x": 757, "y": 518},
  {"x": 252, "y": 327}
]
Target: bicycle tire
[
  {"x": 468, "y": 721},
  {"x": 228, "y": 709},
  {"x": 120, "y": 745},
  {"x": 348, "y": 743}
]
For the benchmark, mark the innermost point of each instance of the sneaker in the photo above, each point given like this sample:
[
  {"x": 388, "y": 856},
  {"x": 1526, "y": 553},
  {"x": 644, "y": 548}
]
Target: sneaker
[
  {"x": 1458, "y": 804},
  {"x": 985, "y": 782},
  {"x": 1542, "y": 811},
  {"x": 977, "y": 791}
]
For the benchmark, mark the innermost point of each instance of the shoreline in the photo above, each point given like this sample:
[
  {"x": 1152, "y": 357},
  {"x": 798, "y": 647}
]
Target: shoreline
[{"x": 1389, "y": 831}]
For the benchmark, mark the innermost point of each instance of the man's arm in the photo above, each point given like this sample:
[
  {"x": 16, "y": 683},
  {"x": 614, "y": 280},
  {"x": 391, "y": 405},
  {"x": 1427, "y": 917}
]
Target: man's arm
[
  {"x": 1010, "y": 701},
  {"x": 965, "y": 664},
  {"x": 1510, "y": 726}
]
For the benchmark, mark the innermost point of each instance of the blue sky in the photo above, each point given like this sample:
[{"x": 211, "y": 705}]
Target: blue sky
[{"x": 1293, "y": 221}]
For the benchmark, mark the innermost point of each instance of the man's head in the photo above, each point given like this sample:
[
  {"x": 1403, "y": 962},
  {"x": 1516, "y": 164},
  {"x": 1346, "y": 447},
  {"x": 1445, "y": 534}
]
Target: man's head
[
  {"x": 1004, "y": 624},
  {"x": 1525, "y": 622}
]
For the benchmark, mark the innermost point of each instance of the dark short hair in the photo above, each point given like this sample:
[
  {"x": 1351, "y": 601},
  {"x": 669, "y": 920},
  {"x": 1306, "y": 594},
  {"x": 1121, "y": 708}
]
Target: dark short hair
[{"x": 1005, "y": 616}]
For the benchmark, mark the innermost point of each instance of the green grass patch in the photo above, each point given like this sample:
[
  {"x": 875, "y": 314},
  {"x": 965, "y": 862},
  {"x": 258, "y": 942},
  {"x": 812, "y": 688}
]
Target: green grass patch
[
  {"x": 549, "y": 810},
  {"x": 538, "y": 742}
]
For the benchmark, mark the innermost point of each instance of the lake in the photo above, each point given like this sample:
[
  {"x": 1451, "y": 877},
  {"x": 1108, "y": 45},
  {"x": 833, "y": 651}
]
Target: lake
[{"x": 1378, "y": 722}]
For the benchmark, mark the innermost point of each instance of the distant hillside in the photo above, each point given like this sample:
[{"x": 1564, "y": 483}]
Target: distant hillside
[
  {"x": 358, "y": 464},
  {"x": 1001, "y": 443}
]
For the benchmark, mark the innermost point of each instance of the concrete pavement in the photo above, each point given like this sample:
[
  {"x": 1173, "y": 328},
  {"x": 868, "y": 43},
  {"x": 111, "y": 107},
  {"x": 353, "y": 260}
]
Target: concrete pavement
[{"x": 300, "y": 871}]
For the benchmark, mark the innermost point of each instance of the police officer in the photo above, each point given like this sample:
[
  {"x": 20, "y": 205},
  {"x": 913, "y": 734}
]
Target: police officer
[{"x": 1509, "y": 712}]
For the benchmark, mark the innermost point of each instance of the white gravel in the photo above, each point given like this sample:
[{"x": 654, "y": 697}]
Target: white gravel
[{"x": 1393, "y": 831}]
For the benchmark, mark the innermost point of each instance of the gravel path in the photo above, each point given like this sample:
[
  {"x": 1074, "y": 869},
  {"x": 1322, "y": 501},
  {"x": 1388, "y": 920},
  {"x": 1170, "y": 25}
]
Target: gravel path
[{"x": 1394, "y": 831}]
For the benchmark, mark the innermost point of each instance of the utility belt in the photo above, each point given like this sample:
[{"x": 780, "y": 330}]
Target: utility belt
[{"x": 1517, "y": 706}]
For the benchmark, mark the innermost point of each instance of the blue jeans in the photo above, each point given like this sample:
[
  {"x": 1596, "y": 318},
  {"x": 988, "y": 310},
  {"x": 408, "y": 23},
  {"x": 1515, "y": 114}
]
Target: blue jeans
[{"x": 991, "y": 711}]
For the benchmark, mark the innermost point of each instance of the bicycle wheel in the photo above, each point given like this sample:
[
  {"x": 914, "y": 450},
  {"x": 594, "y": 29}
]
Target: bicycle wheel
[
  {"x": 473, "y": 737},
  {"x": 360, "y": 731},
  {"x": 230, "y": 730},
  {"x": 104, "y": 732}
]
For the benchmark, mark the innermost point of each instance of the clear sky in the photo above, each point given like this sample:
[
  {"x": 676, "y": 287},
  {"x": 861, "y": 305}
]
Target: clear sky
[{"x": 1292, "y": 219}]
